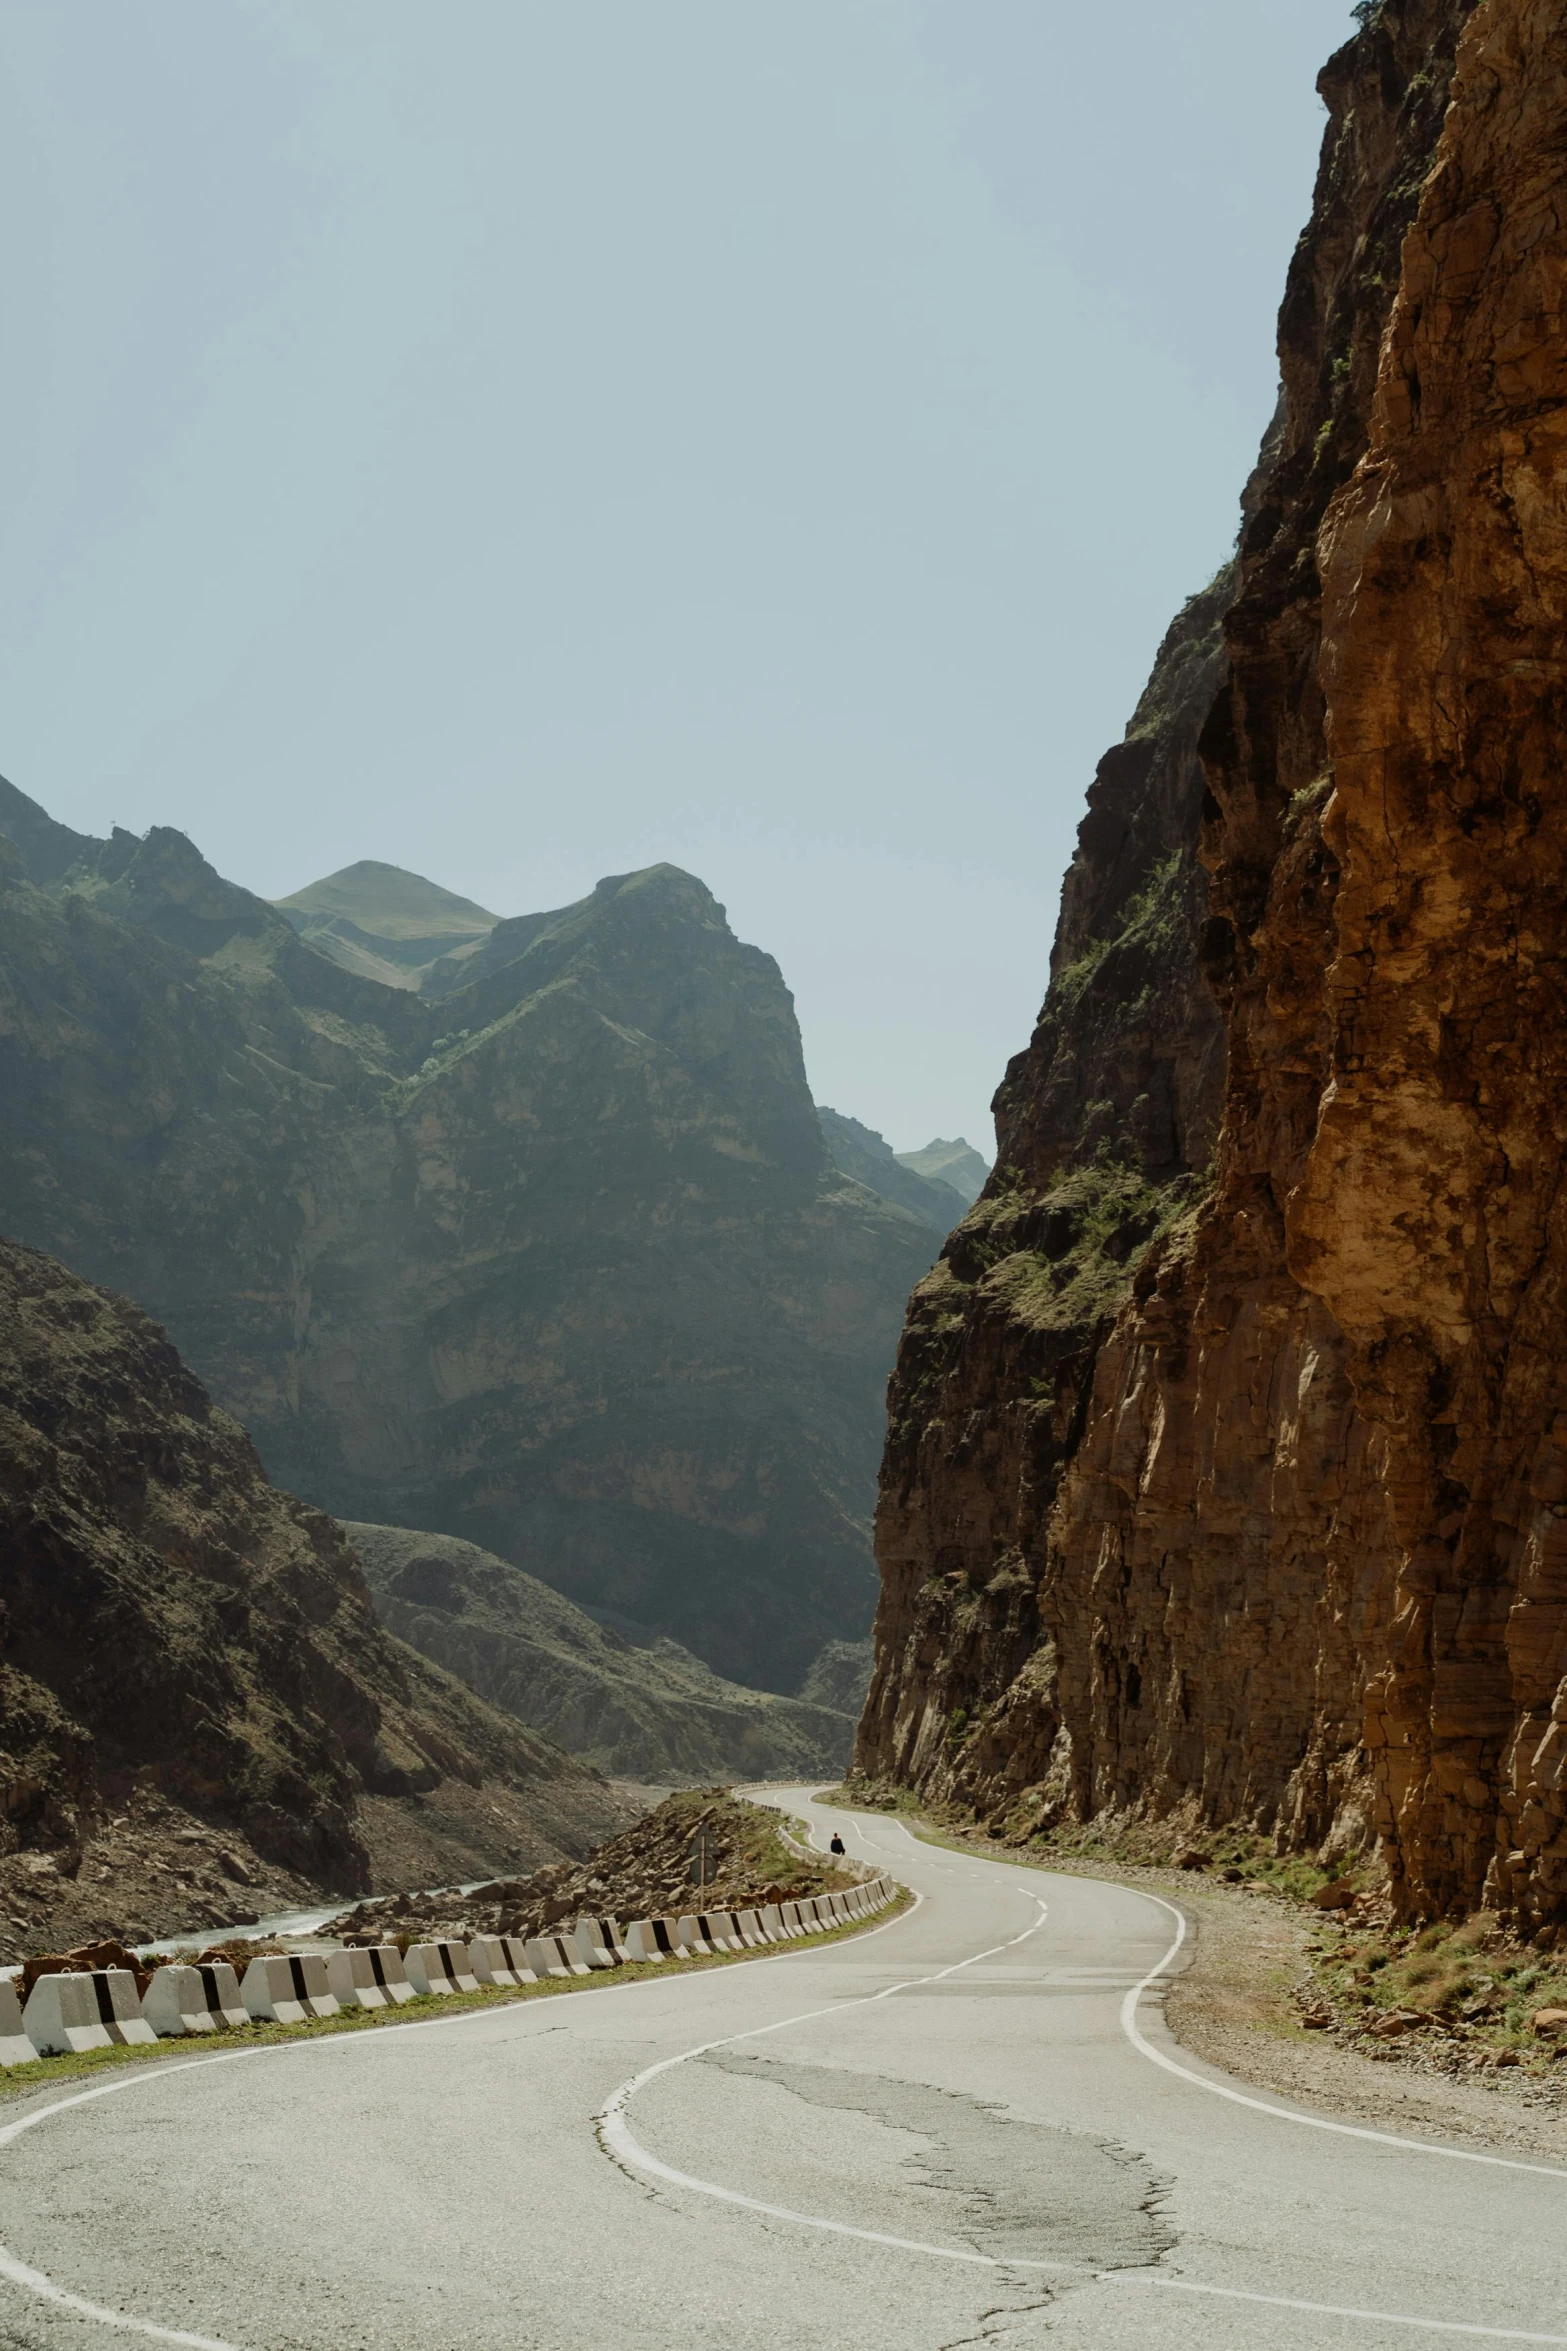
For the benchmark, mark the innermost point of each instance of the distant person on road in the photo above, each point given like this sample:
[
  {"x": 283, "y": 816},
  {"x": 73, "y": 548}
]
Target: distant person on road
[{"x": 837, "y": 1845}]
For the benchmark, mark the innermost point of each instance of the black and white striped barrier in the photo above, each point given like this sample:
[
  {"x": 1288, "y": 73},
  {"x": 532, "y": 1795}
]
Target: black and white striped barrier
[
  {"x": 368, "y": 1975},
  {"x": 15, "y": 2047},
  {"x": 438, "y": 1969},
  {"x": 287, "y": 1988},
  {"x": 600, "y": 1942},
  {"x": 197, "y": 1999},
  {"x": 73, "y": 2013},
  {"x": 653, "y": 1939},
  {"x": 500, "y": 1959},
  {"x": 553, "y": 1955}
]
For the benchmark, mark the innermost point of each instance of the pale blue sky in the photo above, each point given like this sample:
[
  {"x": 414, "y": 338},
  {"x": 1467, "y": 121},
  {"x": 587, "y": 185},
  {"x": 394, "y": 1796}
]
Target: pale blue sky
[{"x": 523, "y": 442}]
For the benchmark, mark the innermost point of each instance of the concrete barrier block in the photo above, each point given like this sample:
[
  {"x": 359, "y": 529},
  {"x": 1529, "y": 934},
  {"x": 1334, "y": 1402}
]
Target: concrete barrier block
[
  {"x": 220, "y": 1990},
  {"x": 751, "y": 1934},
  {"x": 386, "y": 1965},
  {"x": 770, "y": 1921},
  {"x": 436, "y": 1970},
  {"x": 368, "y": 1976},
  {"x": 96, "y": 2010},
  {"x": 62, "y": 2017},
  {"x": 288, "y": 1988},
  {"x": 175, "y": 2002},
  {"x": 720, "y": 1929},
  {"x": 789, "y": 1918},
  {"x": 600, "y": 1942},
  {"x": 517, "y": 1959},
  {"x": 490, "y": 1961},
  {"x": 552, "y": 1955},
  {"x": 15, "y": 2047},
  {"x": 639, "y": 1945},
  {"x": 689, "y": 1935}
]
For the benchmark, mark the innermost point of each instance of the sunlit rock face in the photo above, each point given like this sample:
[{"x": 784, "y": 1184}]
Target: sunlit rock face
[
  {"x": 1258, "y": 1519},
  {"x": 558, "y": 1263}
]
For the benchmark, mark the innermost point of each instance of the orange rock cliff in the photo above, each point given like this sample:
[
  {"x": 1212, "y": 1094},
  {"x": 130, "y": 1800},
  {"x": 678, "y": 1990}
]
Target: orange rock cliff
[{"x": 1227, "y": 1472}]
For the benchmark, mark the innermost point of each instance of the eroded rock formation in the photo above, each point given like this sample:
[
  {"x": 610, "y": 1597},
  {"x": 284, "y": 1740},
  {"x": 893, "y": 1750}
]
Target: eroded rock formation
[
  {"x": 185, "y": 1648},
  {"x": 1268, "y": 1525}
]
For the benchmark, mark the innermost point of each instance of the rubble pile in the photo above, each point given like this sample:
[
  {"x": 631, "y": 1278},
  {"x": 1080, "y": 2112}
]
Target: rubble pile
[{"x": 645, "y": 1872}]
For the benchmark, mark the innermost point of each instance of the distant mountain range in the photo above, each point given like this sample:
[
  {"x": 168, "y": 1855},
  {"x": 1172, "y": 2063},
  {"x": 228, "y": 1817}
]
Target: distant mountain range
[
  {"x": 537, "y": 1243},
  {"x": 388, "y": 925},
  {"x": 644, "y": 1710}
]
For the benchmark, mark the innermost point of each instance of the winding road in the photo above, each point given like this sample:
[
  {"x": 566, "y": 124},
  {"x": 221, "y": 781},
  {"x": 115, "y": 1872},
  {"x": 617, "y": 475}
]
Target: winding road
[{"x": 966, "y": 2127}]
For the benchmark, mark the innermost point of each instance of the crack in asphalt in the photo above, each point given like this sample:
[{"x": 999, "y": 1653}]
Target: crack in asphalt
[{"x": 1049, "y": 2193}]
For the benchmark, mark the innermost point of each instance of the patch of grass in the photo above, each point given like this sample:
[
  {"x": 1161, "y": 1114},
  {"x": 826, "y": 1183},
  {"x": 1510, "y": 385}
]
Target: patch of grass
[
  {"x": 1477, "y": 1985},
  {"x": 1096, "y": 1221}
]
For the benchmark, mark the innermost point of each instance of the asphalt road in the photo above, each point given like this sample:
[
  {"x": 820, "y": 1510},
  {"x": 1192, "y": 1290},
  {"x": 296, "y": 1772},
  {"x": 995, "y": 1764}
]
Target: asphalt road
[{"x": 958, "y": 2129}]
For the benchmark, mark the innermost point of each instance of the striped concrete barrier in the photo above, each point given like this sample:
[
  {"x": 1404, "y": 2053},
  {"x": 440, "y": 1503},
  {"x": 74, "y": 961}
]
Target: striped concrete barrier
[
  {"x": 368, "y": 1975},
  {"x": 97, "y": 2010},
  {"x": 600, "y": 1941},
  {"x": 194, "y": 1999},
  {"x": 15, "y": 2047},
  {"x": 751, "y": 1934},
  {"x": 287, "y": 1988},
  {"x": 771, "y": 1922},
  {"x": 689, "y": 1935},
  {"x": 436, "y": 1970},
  {"x": 653, "y": 1939},
  {"x": 789, "y": 1918},
  {"x": 721, "y": 1930},
  {"x": 500, "y": 1959},
  {"x": 552, "y": 1955}
]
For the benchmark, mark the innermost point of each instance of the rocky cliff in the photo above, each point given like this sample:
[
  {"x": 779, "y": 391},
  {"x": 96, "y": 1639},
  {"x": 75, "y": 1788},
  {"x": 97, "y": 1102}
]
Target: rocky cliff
[
  {"x": 1229, "y": 1483},
  {"x": 558, "y": 1263},
  {"x": 187, "y": 1654}
]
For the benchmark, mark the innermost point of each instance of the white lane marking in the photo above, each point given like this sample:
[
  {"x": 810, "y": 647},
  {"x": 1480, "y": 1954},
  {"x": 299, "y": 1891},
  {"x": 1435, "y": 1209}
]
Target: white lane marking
[
  {"x": 1396, "y": 2318},
  {"x": 616, "y": 2135},
  {"x": 1158, "y": 2277},
  {"x": 34, "y": 2281},
  {"x": 1314, "y": 2122}
]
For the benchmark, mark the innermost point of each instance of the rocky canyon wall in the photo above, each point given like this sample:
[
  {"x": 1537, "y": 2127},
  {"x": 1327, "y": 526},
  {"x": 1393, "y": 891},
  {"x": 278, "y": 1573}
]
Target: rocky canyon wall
[{"x": 1230, "y": 1483}]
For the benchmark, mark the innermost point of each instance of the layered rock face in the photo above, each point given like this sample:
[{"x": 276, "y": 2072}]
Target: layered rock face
[
  {"x": 645, "y": 1711},
  {"x": 559, "y": 1264},
  {"x": 1271, "y": 1530},
  {"x": 176, "y": 1631}
]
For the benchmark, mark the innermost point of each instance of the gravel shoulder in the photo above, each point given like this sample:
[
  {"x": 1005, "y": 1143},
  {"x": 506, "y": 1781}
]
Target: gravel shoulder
[{"x": 1234, "y": 2006}]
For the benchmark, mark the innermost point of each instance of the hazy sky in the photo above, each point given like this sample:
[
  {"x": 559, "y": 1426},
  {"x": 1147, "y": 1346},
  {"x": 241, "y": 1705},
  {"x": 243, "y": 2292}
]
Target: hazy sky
[{"x": 526, "y": 441}]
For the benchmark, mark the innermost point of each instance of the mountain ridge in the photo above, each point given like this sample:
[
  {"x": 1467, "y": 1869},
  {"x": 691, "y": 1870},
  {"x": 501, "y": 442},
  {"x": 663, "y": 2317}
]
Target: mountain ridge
[{"x": 558, "y": 1262}]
